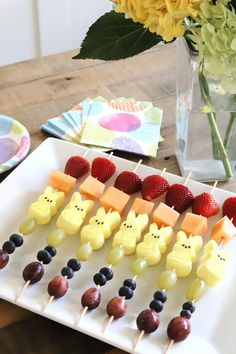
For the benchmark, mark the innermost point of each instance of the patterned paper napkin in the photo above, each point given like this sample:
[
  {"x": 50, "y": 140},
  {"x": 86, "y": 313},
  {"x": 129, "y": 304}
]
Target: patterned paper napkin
[{"x": 121, "y": 124}]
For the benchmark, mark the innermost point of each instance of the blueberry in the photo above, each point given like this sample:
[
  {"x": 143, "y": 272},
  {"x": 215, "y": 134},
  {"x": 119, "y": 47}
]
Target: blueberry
[
  {"x": 186, "y": 314},
  {"x": 160, "y": 295},
  {"x": 126, "y": 292},
  {"x": 130, "y": 283},
  {"x": 74, "y": 264},
  {"x": 67, "y": 272},
  {"x": 107, "y": 272},
  {"x": 189, "y": 306},
  {"x": 156, "y": 305},
  {"x": 51, "y": 250},
  {"x": 99, "y": 279},
  {"x": 9, "y": 247},
  {"x": 44, "y": 256},
  {"x": 17, "y": 240}
]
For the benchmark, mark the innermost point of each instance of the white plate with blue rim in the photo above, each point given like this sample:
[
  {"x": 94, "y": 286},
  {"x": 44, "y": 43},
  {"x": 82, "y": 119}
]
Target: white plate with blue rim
[{"x": 14, "y": 142}]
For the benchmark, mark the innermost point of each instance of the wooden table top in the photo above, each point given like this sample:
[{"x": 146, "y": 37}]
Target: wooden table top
[{"x": 36, "y": 90}]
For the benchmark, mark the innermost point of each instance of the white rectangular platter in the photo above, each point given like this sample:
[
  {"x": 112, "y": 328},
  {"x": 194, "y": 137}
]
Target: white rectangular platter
[{"x": 213, "y": 323}]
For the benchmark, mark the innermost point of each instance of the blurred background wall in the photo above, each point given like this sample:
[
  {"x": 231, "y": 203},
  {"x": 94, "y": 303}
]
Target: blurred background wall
[{"x": 34, "y": 28}]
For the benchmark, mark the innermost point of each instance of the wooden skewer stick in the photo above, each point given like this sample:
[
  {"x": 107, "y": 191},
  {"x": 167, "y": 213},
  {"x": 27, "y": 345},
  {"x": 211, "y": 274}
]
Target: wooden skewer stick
[
  {"x": 85, "y": 309},
  {"x": 85, "y": 153},
  {"x": 187, "y": 178},
  {"x": 137, "y": 166},
  {"x": 163, "y": 171},
  {"x": 28, "y": 281},
  {"x": 110, "y": 155},
  {"x": 50, "y": 299},
  {"x": 111, "y": 318},
  {"x": 22, "y": 289},
  {"x": 213, "y": 187},
  {"x": 169, "y": 347},
  {"x": 141, "y": 334}
]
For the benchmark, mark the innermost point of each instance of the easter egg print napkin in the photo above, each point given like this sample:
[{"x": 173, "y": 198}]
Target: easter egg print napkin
[{"x": 119, "y": 124}]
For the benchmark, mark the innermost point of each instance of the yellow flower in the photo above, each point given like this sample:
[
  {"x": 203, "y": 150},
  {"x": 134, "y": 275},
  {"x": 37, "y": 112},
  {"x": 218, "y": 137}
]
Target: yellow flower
[{"x": 163, "y": 17}]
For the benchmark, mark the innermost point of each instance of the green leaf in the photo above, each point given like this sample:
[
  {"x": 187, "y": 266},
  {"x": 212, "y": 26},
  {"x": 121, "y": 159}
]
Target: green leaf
[{"x": 114, "y": 37}]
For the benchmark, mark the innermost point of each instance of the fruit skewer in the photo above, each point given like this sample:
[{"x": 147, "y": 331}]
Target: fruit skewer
[
  {"x": 100, "y": 227},
  {"x": 69, "y": 221},
  {"x": 149, "y": 252},
  {"x": 47, "y": 204},
  {"x": 125, "y": 242},
  {"x": 179, "y": 260},
  {"x": 210, "y": 272}
]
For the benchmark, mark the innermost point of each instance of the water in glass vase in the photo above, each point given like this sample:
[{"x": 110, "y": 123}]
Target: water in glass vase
[{"x": 205, "y": 123}]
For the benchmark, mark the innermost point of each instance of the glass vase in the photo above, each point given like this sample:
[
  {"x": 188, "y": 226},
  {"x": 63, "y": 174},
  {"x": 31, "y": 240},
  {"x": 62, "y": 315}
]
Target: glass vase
[{"x": 205, "y": 122}]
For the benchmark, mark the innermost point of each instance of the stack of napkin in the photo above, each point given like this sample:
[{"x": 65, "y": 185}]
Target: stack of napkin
[{"x": 119, "y": 124}]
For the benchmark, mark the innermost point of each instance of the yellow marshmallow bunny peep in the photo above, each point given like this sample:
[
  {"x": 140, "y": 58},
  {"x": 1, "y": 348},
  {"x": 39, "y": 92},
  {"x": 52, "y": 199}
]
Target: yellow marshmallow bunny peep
[
  {"x": 212, "y": 264},
  {"x": 100, "y": 228},
  {"x": 154, "y": 243},
  {"x": 130, "y": 232},
  {"x": 183, "y": 254},
  {"x": 46, "y": 205},
  {"x": 74, "y": 214}
]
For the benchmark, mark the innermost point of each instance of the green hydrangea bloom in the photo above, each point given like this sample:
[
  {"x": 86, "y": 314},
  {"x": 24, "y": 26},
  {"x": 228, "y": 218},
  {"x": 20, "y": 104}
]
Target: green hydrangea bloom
[{"x": 216, "y": 40}]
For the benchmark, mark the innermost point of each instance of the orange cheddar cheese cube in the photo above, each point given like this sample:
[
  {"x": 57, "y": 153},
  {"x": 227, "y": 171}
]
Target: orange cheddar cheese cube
[
  {"x": 141, "y": 206},
  {"x": 163, "y": 215},
  {"x": 61, "y": 181},
  {"x": 92, "y": 188},
  {"x": 114, "y": 199},
  {"x": 194, "y": 224},
  {"x": 223, "y": 231}
]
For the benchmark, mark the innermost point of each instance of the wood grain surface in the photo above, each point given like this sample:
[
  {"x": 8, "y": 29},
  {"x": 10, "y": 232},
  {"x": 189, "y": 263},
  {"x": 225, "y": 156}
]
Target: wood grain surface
[{"x": 36, "y": 90}]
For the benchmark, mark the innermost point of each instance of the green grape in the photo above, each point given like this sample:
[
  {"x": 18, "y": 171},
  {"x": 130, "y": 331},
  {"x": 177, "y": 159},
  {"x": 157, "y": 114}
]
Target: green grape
[
  {"x": 27, "y": 226},
  {"x": 195, "y": 290},
  {"x": 56, "y": 237},
  {"x": 167, "y": 279},
  {"x": 115, "y": 256},
  {"x": 139, "y": 266},
  {"x": 84, "y": 252}
]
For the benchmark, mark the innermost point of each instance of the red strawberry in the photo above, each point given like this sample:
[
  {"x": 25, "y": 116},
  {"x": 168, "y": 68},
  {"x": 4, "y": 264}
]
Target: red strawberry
[
  {"x": 229, "y": 209},
  {"x": 205, "y": 204},
  {"x": 103, "y": 169},
  {"x": 154, "y": 186},
  {"x": 77, "y": 166},
  {"x": 128, "y": 182},
  {"x": 179, "y": 197}
]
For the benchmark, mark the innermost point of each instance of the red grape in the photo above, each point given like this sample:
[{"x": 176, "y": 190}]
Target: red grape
[
  {"x": 91, "y": 298},
  {"x": 4, "y": 258},
  {"x": 148, "y": 321},
  {"x": 179, "y": 329},
  {"x": 117, "y": 307},
  {"x": 34, "y": 272},
  {"x": 58, "y": 286}
]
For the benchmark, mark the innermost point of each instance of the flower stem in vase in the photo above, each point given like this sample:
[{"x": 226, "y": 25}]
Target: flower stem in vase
[
  {"x": 230, "y": 130},
  {"x": 218, "y": 145}
]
